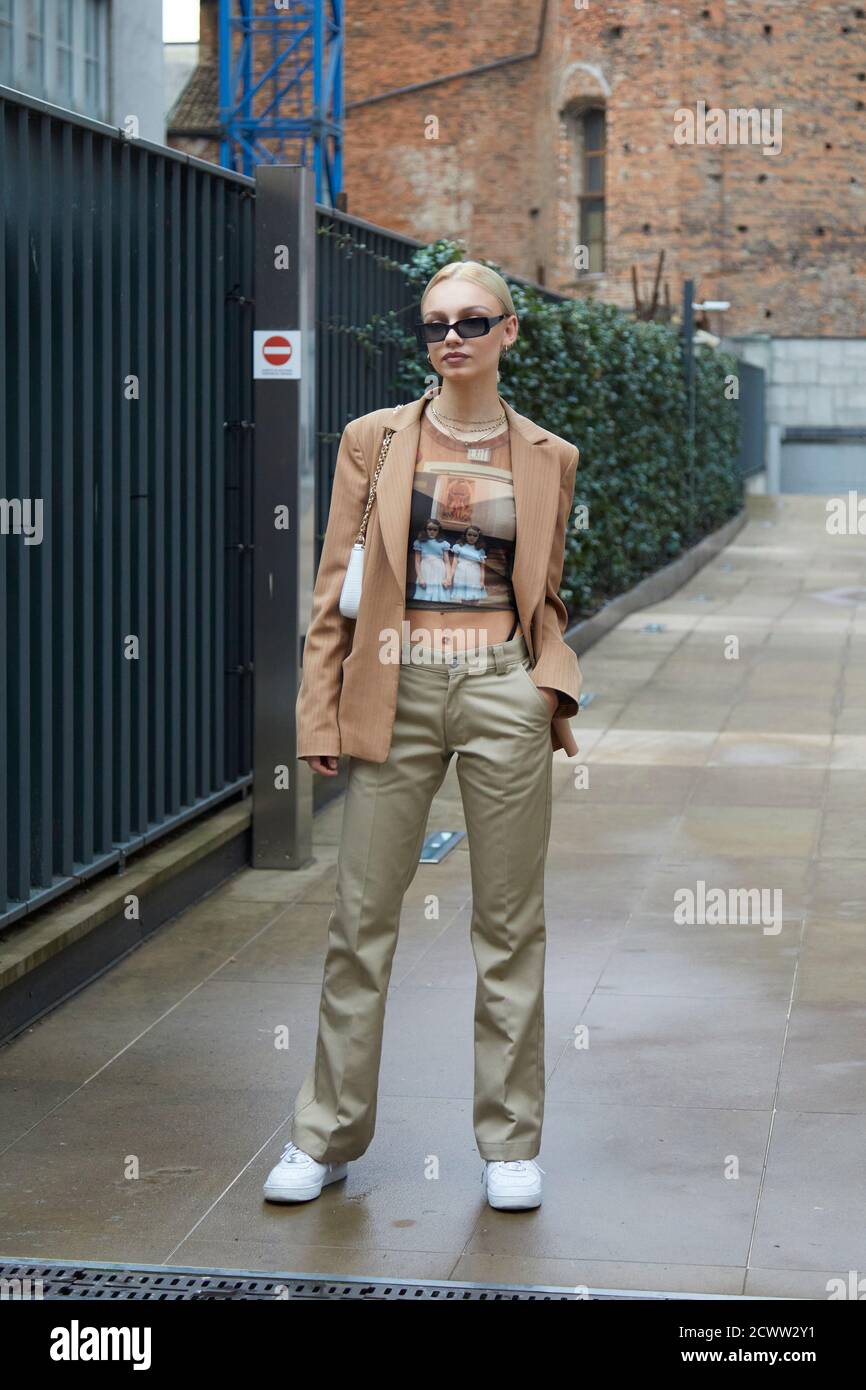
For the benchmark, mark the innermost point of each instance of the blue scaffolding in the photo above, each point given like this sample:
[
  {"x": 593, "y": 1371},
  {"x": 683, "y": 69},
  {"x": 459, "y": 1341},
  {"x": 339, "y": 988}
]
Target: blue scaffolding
[{"x": 281, "y": 87}]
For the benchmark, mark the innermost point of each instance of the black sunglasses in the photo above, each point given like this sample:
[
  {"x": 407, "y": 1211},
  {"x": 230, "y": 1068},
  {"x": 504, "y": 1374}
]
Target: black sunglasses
[{"x": 437, "y": 332}]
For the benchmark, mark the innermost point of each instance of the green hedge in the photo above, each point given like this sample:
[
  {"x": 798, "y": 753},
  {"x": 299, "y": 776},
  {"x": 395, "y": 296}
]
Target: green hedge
[{"x": 614, "y": 387}]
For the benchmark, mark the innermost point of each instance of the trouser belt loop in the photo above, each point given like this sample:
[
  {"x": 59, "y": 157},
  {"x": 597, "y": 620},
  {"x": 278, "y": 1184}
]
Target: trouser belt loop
[
  {"x": 500, "y": 659},
  {"x": 505, "y": 665}
]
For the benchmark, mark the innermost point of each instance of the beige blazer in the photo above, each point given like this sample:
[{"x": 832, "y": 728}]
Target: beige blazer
[{"x": 348, "y": 695}]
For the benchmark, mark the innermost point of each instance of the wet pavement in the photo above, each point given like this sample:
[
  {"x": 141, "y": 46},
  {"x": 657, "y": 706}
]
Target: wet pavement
[{"x": 705, "y": 1119}]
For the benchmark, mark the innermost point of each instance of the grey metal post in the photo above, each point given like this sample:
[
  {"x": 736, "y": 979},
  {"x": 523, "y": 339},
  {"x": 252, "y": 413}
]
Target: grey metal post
[
  {"x": 689, "y": 369},
  {"x": 283, "y": 351}
]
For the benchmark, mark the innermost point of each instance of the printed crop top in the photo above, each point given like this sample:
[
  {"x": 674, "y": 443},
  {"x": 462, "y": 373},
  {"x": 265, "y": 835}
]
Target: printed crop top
[{"x": 462, "y": 528}]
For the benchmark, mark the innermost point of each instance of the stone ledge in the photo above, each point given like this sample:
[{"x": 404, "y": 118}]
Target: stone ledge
[{"x": 35, "y": 939}]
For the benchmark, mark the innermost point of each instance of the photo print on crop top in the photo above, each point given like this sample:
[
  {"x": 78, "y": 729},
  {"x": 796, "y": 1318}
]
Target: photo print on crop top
[{"x": 462, "y": 527}]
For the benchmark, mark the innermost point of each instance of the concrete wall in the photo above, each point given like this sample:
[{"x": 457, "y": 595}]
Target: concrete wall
[
  {"x": 137, "y": 67},
  {"x": 813, "y": 386}
]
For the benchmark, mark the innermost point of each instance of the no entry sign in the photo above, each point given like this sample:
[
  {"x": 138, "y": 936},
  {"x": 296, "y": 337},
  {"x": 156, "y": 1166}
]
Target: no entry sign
[{"x": 276, "y": 352}]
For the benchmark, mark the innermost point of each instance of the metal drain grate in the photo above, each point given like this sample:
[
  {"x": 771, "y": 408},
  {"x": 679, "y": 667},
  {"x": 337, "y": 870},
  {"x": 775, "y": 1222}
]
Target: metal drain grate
[{"x": 83, "y": 1280}]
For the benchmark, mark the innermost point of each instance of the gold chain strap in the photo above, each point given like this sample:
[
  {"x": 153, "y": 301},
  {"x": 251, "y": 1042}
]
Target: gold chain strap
[{"x": 361, "y": 537}]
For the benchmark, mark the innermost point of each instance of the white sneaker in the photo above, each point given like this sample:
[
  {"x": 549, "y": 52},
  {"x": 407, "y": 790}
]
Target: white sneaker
[
  {"x": 299, "y": 1178},
  {"x": 512, "y": 1184}
]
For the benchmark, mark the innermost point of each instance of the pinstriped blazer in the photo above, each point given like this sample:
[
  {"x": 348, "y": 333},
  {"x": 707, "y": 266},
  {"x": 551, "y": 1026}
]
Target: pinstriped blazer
[{"x": 348, "y": 696}]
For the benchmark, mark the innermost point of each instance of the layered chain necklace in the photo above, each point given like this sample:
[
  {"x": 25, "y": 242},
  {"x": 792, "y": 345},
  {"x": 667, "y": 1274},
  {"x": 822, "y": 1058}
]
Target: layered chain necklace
[{"x": 481, "y": 427}]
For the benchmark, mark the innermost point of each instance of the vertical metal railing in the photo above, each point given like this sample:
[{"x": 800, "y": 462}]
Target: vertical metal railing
[
  {"x": 358, "y": 280},
  {"x": 125, "y": 407}
]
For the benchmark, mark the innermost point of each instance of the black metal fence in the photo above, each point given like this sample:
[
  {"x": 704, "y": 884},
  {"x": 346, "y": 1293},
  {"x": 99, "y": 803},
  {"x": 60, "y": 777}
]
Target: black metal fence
[
  {"x": 126, "y": 273},
  {"x": 358, "y": 281},
  {"x": 125, "y": 448}
]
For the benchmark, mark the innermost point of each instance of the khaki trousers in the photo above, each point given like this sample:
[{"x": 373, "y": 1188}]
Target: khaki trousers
[{"x": 485, "y": 708}]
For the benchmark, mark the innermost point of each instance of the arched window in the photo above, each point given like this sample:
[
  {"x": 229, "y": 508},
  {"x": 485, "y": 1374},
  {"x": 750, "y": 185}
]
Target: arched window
[{"x": 589, "y": 160}]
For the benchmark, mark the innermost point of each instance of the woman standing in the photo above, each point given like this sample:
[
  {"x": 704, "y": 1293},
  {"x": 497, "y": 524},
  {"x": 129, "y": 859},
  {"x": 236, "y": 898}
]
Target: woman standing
[{"x": 478, "y": 668}]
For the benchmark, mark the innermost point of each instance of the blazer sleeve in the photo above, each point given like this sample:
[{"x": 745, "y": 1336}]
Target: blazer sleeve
[
  {"x": 557, "y": 666},
  {"x": 329, "y": 634}
]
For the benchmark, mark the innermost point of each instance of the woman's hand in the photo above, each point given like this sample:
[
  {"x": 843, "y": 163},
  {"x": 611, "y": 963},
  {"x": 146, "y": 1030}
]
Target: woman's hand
[
  {"x": 552, "y": 697},
  {"x": 327, "y": 765}
]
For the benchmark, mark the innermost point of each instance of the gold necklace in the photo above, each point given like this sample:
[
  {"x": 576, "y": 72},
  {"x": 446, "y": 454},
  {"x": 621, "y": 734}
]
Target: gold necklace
[
  {"x": 469, "y": 429},
  {"x": 480, "y": 423}
]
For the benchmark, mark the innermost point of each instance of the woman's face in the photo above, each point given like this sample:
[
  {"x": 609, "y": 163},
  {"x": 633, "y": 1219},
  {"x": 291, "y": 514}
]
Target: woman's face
[{"x": 478, "y": 357}]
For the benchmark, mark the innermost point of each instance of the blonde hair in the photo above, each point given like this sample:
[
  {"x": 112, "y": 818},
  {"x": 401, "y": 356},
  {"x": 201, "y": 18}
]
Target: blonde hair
[{"x": 479, "y": 274}]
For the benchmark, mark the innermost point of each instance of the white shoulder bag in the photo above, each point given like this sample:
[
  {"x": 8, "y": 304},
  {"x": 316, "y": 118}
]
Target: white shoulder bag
[{"x": 350, "y": 595}]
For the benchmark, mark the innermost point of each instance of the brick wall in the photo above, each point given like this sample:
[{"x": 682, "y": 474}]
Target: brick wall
[{"x": 489, "y": 156}]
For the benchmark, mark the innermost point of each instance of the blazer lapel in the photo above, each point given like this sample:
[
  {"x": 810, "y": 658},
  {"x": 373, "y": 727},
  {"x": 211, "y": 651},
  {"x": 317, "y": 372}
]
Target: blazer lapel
[{"x": 536, "y": 477}]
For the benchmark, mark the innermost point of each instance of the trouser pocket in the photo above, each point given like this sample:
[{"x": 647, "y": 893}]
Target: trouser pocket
[{"x": 524, "y": 668}]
